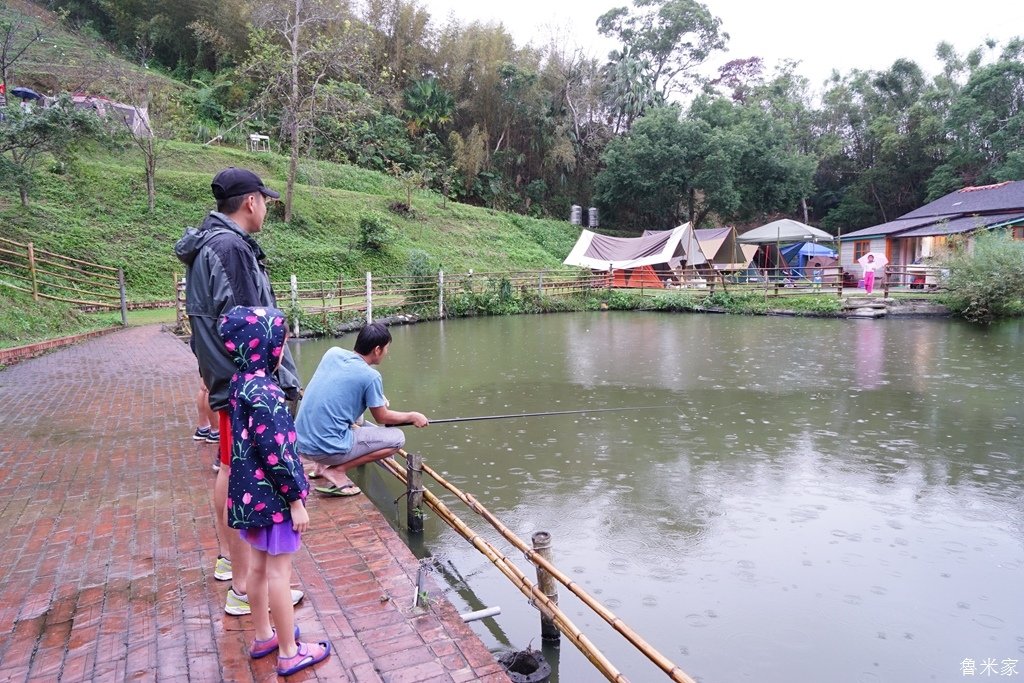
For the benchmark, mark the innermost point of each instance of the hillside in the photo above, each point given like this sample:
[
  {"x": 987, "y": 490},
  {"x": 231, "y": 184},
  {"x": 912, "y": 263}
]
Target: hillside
[
  {"x": 95, "y": 209},
  {"x": 66, "y": 60}
]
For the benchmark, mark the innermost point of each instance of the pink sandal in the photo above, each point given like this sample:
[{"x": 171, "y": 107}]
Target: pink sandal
[
  {"x": 262, "y": 648},
  {"x": 307, "y": 656}
]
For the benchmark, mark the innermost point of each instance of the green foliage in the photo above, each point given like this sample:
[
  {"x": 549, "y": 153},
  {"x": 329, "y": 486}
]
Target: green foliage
[
  {"x": 670, "y": 38},
  {"x": 27, "y": 135},
  {"x": 427, "y": 106},
  {"x": 986, "y": 125},
  {"x": 375, "y": 231},
  {"x": 677, "y": 301},
  {"x": 721, "y": 158},
  {"x": 625, "y": 300},
  {"x": 987, "y": 282},
  {"x": 24, "y": 321}
]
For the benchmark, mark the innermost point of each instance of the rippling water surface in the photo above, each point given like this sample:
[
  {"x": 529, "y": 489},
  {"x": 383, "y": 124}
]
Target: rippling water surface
[{"x": 811, "y": 501}]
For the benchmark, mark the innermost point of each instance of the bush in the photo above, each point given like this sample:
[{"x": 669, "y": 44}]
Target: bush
[
  {"x": 987, "y": 282},
  {"x": 374, "y": 231}
]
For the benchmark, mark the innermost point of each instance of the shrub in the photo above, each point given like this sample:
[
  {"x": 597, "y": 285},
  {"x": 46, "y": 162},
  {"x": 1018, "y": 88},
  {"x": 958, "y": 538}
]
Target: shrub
[
  {"x": 374, "y": 231},
  {"x": 986, "y": 282}
]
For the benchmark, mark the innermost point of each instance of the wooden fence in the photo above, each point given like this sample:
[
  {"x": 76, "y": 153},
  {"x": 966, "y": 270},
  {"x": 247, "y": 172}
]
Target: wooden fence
[
  {"x": 362, "y": 296},
  {"x": 426, "y": 292},
  {"x": 46, "y": 275}
]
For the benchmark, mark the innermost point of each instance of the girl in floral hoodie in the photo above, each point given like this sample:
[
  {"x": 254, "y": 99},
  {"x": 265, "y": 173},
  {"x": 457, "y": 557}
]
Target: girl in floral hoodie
[{"x": 267, "y": 489}]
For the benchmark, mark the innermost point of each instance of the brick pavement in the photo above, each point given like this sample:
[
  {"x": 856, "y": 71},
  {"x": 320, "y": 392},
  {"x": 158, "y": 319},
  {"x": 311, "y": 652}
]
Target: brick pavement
[{"x": 107, "y": 565}]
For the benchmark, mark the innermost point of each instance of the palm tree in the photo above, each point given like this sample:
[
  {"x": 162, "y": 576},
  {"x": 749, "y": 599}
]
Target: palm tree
[{"x": 427, "y": 105}]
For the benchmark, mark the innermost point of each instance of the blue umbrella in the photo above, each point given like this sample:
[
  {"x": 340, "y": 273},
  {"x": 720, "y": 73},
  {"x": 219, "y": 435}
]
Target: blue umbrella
[{"x": 26, "y": 93}]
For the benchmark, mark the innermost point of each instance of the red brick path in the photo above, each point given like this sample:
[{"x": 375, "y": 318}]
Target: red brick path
[{"x": 108, "y": 544}]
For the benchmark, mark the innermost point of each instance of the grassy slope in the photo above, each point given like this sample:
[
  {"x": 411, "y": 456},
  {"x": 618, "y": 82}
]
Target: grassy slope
[
  {"x": 96, "y": 210},
  {"x": 66, "y": 61}
]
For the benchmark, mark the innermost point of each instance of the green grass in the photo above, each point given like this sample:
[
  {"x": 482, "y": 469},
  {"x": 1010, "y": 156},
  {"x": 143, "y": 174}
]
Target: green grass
[
  {"x": 66, "y": 60},
  {"x": 95, "y": 209},
  {"x": 23, "y": 321}
]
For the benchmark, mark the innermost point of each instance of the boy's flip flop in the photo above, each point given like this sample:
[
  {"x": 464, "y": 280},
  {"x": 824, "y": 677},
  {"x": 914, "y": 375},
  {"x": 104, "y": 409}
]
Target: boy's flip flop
[
  {"x": 307, "y": 656},
  {"x": 342, "y": 491}
]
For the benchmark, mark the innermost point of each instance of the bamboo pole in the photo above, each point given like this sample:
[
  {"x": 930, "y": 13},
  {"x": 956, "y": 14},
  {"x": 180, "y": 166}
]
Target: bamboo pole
[
  {"x": 510, "y": 570},
  {"x": 615, "y": 622}
]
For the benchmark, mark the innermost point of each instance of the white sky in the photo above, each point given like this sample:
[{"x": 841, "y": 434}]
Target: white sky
[{"x": 869, "y": 34}]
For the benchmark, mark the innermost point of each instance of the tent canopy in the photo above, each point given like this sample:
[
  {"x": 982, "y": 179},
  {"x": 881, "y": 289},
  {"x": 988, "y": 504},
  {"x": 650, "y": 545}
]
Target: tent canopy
[
  {"x": 666, "y": 248},
  {"x": 785, "y": 230}
]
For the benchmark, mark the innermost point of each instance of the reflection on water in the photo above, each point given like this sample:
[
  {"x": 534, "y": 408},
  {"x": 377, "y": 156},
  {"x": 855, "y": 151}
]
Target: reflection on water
[{"x": 813, "y": 501}]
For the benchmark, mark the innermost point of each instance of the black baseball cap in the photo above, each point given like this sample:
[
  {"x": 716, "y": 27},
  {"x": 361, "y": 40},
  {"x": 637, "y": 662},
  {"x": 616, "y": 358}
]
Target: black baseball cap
[{"x": 234, "y": 182}]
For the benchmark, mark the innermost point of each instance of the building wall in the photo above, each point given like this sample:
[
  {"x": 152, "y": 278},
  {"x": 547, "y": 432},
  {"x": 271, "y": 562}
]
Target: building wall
[{"x": 846, "y": 259}]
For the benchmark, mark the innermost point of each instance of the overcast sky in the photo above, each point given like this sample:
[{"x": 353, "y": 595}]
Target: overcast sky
[{"x": 869, "y": 34}]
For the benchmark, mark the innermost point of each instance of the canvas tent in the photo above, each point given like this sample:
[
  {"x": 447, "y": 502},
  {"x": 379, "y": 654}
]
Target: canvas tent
[
  {"x": 723, "y": 250},
  {"x": 136, "y": 118},
  {"x": 798, "y": 254},
  {"x": 785, "y": 230},
  {"x": 645, "y": 261}
]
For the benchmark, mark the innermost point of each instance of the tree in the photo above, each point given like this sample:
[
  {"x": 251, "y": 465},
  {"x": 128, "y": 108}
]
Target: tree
[
  {"x": 669, "y": 38},
  {"x": 428, "y": 106},
  {"x": 27, "y": 135},
  {"x": 629, "y": 88},
  {"x": 16, "y": 37},
  {"x": 296, "y": 54},
  {"x": 883, "y": 133},
  {"x": 986, "y": 126},
  {"x": 721, "y": 159}
]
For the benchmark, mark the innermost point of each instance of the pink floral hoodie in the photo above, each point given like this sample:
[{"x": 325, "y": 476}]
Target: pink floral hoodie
[{"x": 266, "y": 475}]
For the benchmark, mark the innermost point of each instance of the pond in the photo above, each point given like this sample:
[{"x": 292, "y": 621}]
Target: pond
[{"x": 802, "y": 500}]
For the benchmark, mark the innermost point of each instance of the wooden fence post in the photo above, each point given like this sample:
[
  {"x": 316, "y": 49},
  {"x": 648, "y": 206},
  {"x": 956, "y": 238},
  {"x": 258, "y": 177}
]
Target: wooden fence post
[
  {"x": 369, "y": 297},
  {"x": 341, "y": 296},
  {"x": 124, "y": 299},
  {"x": 179, "y": 301},
  {"x": 440, "y": 294},
  {"x": 323, "y": 303},
  {"x": 294, "y": 285},
  {"x": 546, "y": 583},
  {"x": 32, "y": 271},
  {"x": 414, "y": 488}
]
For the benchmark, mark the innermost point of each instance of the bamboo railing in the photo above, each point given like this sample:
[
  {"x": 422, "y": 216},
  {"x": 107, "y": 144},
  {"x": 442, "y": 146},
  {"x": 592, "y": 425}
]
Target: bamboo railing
[
  {"x": 46, "y": 275},
  {"x": 552, "y": 611}
]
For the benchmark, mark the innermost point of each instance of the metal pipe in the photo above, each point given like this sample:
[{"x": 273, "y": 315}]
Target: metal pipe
[{"x": 480, "y": 614}]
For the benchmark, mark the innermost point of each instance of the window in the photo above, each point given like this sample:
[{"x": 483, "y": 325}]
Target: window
[
  {"x": 860, "y": 248},
  {"x": 1018, "y": 232}
]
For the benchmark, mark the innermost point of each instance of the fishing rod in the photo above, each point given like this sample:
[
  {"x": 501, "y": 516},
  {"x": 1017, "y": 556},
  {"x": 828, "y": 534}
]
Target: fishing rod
[{"x": 511, "y": 416}]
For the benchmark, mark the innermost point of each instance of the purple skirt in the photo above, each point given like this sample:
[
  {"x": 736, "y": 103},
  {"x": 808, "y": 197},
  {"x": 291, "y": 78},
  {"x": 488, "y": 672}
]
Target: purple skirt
[{"x": 276, "y": 539}]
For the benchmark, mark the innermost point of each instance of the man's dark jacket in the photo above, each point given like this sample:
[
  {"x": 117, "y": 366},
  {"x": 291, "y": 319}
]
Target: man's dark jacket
[{"x": 224, "y": 269}]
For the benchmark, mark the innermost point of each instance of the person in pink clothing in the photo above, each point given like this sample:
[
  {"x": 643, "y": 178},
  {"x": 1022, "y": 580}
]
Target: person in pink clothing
[
  {"x": 869, "y": 266},
  {"x": 267, "y": 487}
]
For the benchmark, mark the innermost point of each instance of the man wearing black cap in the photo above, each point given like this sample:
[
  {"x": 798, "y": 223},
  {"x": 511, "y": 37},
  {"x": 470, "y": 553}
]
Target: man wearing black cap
[{"x": 224, "y": 269}]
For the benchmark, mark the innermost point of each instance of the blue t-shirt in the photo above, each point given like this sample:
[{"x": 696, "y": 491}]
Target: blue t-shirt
[{"x": 341, "y": 390}]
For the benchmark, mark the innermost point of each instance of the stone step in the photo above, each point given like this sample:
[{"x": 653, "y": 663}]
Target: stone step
[{"x": 866, "y": 312}]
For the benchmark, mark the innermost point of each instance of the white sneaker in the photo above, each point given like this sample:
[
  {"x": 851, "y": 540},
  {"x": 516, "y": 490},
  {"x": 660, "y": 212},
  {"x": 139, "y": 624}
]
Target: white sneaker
[
  {"x": 222, "y": 570},
  {"x": 238, "y": 605}
]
